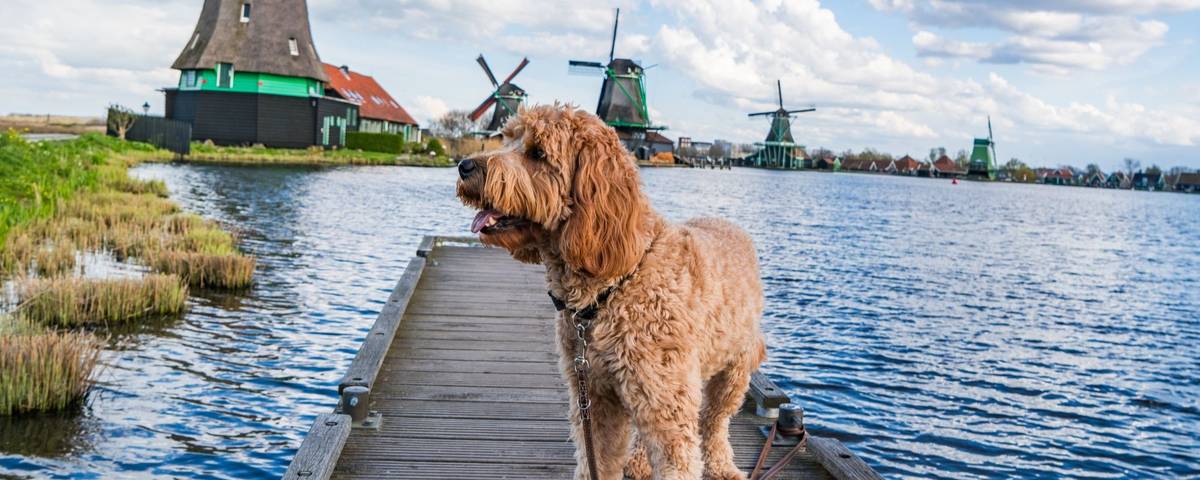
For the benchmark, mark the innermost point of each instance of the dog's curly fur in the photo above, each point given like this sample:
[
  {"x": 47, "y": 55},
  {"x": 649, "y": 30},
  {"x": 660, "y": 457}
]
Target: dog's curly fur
[{"x": 673, "y": 347}]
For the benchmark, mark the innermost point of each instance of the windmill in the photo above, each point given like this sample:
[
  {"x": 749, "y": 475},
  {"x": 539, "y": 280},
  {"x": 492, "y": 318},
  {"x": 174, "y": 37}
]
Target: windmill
[
  {"x": 983, "y": 156},
  {"x": 622, "y": 96},
  {"x": 506, "y": 97},
  {"x": 779, "y": 148}
]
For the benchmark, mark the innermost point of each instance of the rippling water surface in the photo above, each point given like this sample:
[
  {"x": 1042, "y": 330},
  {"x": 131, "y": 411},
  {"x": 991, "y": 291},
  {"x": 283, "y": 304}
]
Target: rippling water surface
[{"x": 968, "y": 331}]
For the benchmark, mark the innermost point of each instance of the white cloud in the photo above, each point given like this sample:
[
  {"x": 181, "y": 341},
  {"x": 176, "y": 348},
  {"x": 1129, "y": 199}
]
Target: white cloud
[
  {"x": 1055, "y": 38},
  {"x": 734, "y": 50},
  {"x": 426, "y": 108}
]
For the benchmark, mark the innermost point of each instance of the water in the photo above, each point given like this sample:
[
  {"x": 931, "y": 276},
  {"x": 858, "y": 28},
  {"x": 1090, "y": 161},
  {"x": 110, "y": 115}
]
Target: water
[{"x": 969, "y": 331}]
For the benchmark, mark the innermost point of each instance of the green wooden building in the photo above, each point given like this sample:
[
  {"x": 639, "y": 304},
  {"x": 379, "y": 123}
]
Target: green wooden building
[{"x": 250, "y": 74}]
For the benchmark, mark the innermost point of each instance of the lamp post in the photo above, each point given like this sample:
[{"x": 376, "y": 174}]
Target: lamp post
[{"x": 146, "y": 108}]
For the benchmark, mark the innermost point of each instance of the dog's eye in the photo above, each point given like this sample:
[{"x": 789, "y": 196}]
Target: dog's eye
[{"x": 537, "y": 153}]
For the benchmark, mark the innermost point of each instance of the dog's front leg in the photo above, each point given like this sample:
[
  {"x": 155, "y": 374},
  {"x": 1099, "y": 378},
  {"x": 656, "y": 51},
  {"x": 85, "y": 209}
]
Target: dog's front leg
[{"x": 664, "y": 400}]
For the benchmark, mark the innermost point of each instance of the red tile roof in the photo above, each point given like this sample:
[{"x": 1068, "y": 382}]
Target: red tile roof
[
  {"x": 945, "y": 165},
  {"x": 907, "y": 164},
  {"x": 373, "y": 101}
]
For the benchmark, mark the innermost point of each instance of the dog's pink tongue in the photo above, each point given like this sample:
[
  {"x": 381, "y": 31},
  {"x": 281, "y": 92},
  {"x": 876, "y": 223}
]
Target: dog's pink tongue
[{"x": 483, "y": 219}]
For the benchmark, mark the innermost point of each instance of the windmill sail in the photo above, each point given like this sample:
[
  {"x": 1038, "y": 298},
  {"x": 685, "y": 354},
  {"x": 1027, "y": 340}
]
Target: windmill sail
[{"x": 506, "y": 98}]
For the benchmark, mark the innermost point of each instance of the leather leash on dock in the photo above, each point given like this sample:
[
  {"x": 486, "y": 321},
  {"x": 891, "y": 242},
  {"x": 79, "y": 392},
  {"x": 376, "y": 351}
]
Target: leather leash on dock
[
  {"x": 582, "y": 320},
  {"x": 789, "y": 424}
]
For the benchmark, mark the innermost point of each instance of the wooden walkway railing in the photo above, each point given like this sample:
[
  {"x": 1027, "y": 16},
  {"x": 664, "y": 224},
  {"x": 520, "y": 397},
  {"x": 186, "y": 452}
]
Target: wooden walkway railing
[{"x": 458, "y": 379}]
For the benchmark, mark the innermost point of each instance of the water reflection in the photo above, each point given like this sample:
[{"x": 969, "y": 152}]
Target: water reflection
[{"x": 966, "y": 331}]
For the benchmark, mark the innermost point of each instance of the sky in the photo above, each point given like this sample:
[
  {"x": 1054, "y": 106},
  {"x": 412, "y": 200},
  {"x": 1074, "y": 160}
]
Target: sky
[{"x": 1064, "y": 82}]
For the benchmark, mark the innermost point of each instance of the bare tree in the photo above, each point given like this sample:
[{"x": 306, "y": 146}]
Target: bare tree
[
  {"x": 1132, "y": 165},
  {"x": 935, "y": 153},
  {"x": 120, "y": 119},
  {"x": 716, "y": 151},
  {"x": 455, "y": 129},
  {"x": 961, "y": 159}
]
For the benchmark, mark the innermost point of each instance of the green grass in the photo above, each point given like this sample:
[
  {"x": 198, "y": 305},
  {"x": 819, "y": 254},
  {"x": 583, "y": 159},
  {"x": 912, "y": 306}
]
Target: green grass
[
  {"x": 60, "y": 198},
  {"x": 207, "y": 153}
]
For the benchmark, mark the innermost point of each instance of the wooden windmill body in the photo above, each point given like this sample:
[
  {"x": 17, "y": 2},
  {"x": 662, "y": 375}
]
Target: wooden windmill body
[
  {"x": 779, "y": 149},
  {"x": 622, "y": 103}
]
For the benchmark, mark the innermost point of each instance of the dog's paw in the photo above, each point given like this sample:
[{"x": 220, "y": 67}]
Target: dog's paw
[{"x": 729, "y": 472}]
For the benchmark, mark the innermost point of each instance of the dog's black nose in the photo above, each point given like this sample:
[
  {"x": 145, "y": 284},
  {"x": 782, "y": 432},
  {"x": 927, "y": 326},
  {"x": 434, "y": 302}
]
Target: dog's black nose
[{"x": 465, "y": 167}]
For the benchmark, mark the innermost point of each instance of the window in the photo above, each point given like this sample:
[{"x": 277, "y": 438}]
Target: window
[
  {"x": 225, "y": 75},
  {"x": 246, "y": 12},
  {"x": 195, "y": 40},
  {"x": 292, "y": 48},
  {"x": 189, "y": 79}
]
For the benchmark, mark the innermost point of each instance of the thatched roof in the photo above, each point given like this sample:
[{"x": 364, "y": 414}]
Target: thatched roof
[{"x": 259, "y": 45}]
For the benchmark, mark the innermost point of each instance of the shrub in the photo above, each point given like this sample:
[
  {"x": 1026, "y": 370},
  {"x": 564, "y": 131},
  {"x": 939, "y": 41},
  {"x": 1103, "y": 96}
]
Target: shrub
[
  {"x": 434, "y": 146},
  {"x": 375, "y": 142}
]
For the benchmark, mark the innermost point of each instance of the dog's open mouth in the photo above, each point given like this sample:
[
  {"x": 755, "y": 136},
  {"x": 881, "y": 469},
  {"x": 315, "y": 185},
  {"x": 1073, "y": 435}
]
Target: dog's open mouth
[{"x": 492, "y": 221}]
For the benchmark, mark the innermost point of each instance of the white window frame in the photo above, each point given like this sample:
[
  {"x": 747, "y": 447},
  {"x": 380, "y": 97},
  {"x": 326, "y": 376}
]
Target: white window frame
[
  {"x": 195, "y": 40},
  {"x": 293, "y": 47},
  {"x": 231, "y": 75},
  {"x": 244, "y": 13},
  {"x": 190, "y": 79}
]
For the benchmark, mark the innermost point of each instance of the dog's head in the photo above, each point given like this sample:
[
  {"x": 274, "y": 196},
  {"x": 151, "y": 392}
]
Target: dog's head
[{"x": 562, "y": 181}]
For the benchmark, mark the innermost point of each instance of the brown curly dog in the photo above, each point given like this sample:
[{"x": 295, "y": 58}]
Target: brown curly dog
[{"x": 677, "y": 337}]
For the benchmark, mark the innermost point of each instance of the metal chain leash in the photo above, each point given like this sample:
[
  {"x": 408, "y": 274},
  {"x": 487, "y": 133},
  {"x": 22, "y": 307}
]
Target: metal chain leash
[{"x": 582, "y": 327}]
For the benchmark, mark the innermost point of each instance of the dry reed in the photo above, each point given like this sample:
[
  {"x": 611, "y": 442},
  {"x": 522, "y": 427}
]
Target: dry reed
[
  {"x": 203, "y": 270},
  {"x": 45, "y": 371},
  {"x": 74, "y": 301}
]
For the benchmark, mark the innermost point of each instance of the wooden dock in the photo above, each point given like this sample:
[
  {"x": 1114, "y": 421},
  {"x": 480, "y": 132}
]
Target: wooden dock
[{"x": 458, "y": 378}]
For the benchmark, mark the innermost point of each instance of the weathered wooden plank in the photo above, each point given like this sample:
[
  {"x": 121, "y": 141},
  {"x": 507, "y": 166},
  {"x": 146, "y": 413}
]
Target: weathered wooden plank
[
  {"x": 475, "y": 394},
  {"x": 490, "y": 346},
  {"x": 404, "y": 407},
  {"x": 765, "y": 393},
  {"x": 321, "y": 448},
  {"x": 470, "y": 366},
  {"x": 379, "y": 339},
  {"x": 476, "y": 355},
  {"x": 839, "y": 460},
  {"x": 532, "y": 339},
  {"x": 386, "y": 468},
  {"x": 548, "y": 380}
]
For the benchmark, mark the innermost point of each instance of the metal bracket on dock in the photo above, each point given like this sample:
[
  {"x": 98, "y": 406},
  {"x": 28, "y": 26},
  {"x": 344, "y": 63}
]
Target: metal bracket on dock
[{"x": 355, "y": 402}]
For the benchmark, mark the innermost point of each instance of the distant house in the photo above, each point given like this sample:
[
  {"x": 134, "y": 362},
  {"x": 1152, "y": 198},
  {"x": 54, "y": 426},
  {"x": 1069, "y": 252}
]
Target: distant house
[
  {"x": 827, "y": 162},
  {"x": 875, "y": 165},
  {"x": 1057, "y": 176},
  {"x": 944, "y": 166},
  {"x": 1117, "y": 179},
  {"x": 648, "y": 144},
  {"x": 907, "y": 165},
  {"x": 1188, "y": 182},
  {"x": 1149, "y": 181},
  {"x": 1095, "y": 179},
  {"x": 925, "y": 169},
  {"x": 378, "y": 111}
]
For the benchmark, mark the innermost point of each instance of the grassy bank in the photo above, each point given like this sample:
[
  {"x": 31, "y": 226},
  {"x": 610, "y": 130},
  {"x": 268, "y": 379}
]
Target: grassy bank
[
  {"x": 61, "y": 199},
  {"x": 206, "y": 153}
]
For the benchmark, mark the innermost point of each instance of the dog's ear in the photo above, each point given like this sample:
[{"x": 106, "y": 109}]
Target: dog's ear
[{"x": 601, "y": 234}]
